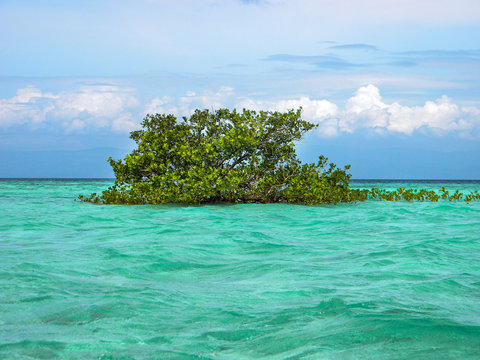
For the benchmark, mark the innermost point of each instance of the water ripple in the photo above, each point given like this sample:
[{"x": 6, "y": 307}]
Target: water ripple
[{"x": 354, "y": 281}]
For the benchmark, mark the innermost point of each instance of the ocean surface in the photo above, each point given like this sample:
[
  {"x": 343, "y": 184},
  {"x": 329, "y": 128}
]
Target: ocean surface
[{"x": 372, "y": 280}]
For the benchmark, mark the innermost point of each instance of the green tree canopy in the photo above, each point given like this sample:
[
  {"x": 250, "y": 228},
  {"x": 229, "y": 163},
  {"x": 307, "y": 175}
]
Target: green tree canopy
[
  {"x": 228, "y": 156},
  {"x": 222, "y": 156}
]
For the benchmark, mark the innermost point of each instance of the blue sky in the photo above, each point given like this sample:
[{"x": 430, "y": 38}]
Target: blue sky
[{"x": 394, "y": 85}]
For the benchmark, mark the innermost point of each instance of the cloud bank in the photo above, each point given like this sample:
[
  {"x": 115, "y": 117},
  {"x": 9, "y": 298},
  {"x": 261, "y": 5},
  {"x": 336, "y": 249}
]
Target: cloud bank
[
  {"x": 89, "y": 107},
  {"x": 80, "y": 109},
  {"x": 367, "y": 110}
]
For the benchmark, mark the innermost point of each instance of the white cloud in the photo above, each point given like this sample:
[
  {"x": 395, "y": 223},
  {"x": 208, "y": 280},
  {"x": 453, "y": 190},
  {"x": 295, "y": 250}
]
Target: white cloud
[
  {"x": 118, "y": 109},
  {"x": 321, "y": 112},
  {"x": 366, "y": 109},
  {"x": 164, "y": 105},
  {"x": 367, "y": 97},
  {"x": 98, "y": 101},
  {"x": 78, "y": 109},
  {"x": 440, "y": 114},
  {"x": 29, "y": 105},
  {"x": 187, "y": 104},
  {"x": 316, "y": 110}
]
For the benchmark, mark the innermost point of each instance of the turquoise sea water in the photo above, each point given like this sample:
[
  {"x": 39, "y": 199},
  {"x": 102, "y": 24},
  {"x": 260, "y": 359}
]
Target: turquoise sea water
[{"x": 373, "y": 280}]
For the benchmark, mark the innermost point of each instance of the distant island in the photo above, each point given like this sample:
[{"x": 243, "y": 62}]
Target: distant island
[{"x": 235, "y": 157}]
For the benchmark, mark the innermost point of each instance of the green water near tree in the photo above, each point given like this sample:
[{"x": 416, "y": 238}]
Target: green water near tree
[{"x": 373, "y": 280}]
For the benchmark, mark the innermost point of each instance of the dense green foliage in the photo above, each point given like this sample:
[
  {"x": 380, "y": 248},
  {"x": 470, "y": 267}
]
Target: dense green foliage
[{"x": 227, "y": 156}]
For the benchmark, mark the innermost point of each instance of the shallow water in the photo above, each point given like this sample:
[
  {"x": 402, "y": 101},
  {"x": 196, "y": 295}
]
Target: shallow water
[{"x": 373, "y": 280}]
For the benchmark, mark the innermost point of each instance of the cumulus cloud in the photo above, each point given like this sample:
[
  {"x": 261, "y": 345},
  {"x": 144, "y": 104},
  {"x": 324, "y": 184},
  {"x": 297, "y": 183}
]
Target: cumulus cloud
[
  {"x": 364, "y": 110},
  {"x": 367, "y": 110},
  {"x": 321, "y": 112},
  {"x": 187, "y": 104},
  {"x": 29, "y": 105},
  {"x": 89, "y": 107},
  {"x": 82, "y": 108}
]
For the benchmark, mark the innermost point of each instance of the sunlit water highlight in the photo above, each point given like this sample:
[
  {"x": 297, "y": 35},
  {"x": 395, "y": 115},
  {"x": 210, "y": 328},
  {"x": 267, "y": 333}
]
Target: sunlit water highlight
[{"x": 354, "y": 281}]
